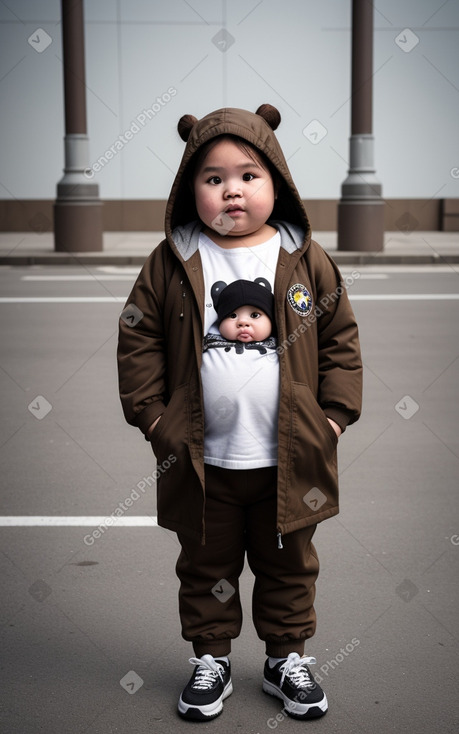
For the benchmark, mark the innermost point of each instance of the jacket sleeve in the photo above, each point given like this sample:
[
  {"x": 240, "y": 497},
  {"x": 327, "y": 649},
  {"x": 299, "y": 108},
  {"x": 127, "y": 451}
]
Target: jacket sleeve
[
  {"x": 340, "y": 363},
  {"x": 141, "y": 346}
]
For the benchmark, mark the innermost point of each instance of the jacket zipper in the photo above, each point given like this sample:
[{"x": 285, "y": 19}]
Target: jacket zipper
[
  {"x": 183, "y": 301},
  {"x": 279, "y": 540}
]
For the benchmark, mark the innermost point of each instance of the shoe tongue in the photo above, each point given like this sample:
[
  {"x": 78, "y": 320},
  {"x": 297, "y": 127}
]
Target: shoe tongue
[{"x": 207, "y": 665}]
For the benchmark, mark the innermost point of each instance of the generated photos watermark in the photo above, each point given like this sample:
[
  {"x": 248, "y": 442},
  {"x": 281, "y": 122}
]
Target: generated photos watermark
[
  {"x": 223, "y": 40},
  {"x": 39, "y": 40},
  {"x": 315, "y": 131},
  {"x": 223, "y": 590},
  {"x": 315, "y": 498},
  {"x": 131, "y": 315},
  {"x": 407, "y": 407},
  {"x": 223, "y": 223},
  {"x": 129, "y": 501},
  {"x": 406, "y": 40},
  {"x": 325, "y": 670},
  {"x": 39, "y": 407},
  {"x": 314, "y": 313},
  {"x": 407, "y": 590},
  {"x": 134, "y": 128},
  {"x": 40, "y": 590},
  {"x": 131, "y": 682}
]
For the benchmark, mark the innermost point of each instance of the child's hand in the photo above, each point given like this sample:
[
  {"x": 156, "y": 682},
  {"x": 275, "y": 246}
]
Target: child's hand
[{"x": 335, "y": 427}]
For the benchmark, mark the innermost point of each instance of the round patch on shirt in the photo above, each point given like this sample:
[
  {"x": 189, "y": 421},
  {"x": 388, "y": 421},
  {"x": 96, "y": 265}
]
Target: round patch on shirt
[{"x": 300, "y": 299}]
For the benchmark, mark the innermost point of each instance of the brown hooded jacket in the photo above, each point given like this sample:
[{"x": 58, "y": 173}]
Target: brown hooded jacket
[{"x": 161, "y": 338}]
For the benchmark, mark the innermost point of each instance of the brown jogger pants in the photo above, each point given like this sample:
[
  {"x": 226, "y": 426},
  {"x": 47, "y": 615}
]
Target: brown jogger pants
[{"x": 240, "y": 517}]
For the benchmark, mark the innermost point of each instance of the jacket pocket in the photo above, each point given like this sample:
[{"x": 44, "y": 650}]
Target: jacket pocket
[
  {"x": 179, "y": 492},
  {"x": 312, "y": 465},
  {"x": 309, "y": 422},
  {"x": 170, "y": 435}
]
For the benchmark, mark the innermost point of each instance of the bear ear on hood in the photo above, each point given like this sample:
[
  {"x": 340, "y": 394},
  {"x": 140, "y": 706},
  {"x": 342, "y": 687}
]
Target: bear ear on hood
[
  {"x": 270, "y": 114},
  {"x": 185, "y": 125}
]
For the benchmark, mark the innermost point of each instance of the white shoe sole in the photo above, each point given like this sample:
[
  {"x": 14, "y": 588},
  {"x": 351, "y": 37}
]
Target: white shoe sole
[{"x": 209, "y": 711}]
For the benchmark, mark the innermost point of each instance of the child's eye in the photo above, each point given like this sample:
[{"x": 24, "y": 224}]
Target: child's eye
[
  {"x": 214, "y": 180},
  {"x": 255, "y": 315},
  {"x": 248, "y": 177},
  {"x": 233, "y": 316}
]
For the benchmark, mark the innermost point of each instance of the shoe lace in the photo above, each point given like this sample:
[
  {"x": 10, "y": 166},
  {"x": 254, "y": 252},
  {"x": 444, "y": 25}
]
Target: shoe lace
[
  {"x": 295, "y": 668},
  {"x": 207, "y": 673}
]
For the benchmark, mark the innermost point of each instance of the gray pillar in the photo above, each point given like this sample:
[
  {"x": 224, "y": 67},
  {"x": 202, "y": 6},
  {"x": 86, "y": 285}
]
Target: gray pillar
[
  {"x": 77, "y": 209},
  {"x": 361, "y": 208}
]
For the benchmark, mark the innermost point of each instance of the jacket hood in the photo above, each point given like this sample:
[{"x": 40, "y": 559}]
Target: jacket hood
[{"x": 255, "y": 128}]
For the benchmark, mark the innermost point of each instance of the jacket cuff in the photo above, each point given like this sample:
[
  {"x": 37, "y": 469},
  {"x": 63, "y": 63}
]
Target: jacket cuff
[
  {"x": 148, "y": 416},
  {"x": 339, "y": 416}
]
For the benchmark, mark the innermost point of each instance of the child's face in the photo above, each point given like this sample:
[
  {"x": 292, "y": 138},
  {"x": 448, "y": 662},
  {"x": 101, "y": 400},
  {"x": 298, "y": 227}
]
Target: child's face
[
  {"x": 234, "y": 194},
  {"x": 246, "y": 324}
]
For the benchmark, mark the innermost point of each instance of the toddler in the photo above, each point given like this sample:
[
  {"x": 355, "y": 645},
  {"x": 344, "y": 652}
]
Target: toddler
[{"x": 253, "y": 429}]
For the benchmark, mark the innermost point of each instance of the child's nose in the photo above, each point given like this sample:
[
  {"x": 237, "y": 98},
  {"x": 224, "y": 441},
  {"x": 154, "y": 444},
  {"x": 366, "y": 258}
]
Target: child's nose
[{"x": 232, "y": 189}]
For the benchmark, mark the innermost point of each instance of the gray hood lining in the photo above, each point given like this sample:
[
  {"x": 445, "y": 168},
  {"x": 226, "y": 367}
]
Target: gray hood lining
[{"x": 186, "y": 237}]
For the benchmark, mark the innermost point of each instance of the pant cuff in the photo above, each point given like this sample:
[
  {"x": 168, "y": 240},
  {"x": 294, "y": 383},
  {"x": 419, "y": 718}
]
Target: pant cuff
[
  {"x": 283, "y": 649},
  {"x": 216, "y": 648}
]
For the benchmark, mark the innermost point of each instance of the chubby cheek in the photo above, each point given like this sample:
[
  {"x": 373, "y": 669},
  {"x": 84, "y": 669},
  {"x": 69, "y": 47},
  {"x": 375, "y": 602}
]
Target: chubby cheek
[
  {"x": 263, "y": 328},
  {"x": 207, "y": 205},
  {"x": 228, "y": 330},
  {"x": 262, "y": 203}
]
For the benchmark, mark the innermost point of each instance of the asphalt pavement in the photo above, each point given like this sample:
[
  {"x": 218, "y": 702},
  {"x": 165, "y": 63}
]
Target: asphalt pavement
[{"x": 90, "y": 636}]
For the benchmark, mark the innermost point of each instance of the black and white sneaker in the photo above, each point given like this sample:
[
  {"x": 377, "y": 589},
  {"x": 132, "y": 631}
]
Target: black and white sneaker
[
  {"x": 203, "y": 696},
  {"x": 294, "y": 684}
]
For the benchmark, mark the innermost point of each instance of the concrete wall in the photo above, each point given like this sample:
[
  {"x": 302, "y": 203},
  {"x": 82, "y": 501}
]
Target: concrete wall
[{"x": 149, "y": 62}]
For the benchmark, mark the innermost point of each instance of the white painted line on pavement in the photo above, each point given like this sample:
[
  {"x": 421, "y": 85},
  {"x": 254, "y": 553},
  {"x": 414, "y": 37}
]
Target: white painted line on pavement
[
  {"x": 119, "y": 269},
  {"x": 403, "y": 269},
  {"x": 64, "y": 299},
  {"x": 405, "y": 297},
  {"x": 56, "y": 521},
  {"x": 65, "y": 278}
]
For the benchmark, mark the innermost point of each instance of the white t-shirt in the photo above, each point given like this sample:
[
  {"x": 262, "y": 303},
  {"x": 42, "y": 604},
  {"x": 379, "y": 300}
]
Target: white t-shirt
[{"x": 240, "y": 381}]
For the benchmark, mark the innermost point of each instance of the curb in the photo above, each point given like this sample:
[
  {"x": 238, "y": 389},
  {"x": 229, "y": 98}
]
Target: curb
[{"x": 76, "y": 258}]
